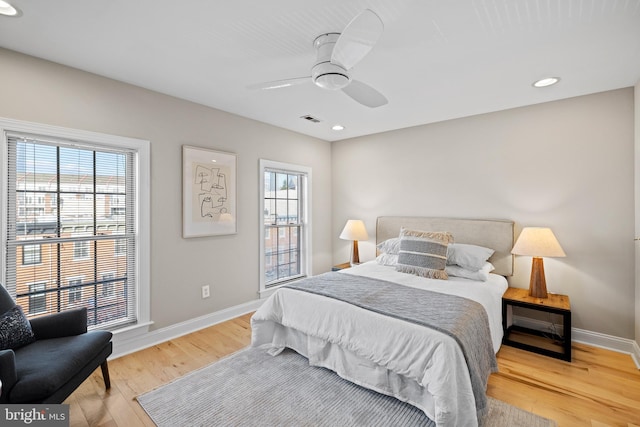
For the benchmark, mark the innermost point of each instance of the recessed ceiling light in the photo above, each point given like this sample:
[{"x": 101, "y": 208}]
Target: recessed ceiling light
[
  {"x": 547, "y": 81},
  {"x": 337, "y": 127},
  {"x": 8, "y": 10}
]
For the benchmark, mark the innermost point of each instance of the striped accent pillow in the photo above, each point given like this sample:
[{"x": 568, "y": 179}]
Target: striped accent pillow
[{"x": 424, "y": 253}]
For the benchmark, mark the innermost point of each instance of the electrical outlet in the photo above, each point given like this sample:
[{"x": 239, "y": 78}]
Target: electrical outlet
[{"x": 205, "y": 292}]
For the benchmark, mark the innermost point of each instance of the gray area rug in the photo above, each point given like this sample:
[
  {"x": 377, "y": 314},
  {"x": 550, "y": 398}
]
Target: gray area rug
[{"x": 251, "y": 388}]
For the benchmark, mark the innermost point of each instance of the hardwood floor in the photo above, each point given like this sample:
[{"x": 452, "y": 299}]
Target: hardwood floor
[{"x": 599, "y": 388}]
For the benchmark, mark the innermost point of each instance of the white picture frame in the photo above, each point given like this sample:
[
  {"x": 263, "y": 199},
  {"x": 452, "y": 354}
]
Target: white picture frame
[{"x": 208, "y": 192}]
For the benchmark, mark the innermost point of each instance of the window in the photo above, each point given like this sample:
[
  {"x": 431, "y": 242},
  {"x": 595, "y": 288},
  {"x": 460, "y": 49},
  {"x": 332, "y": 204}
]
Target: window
[
  {"x": 56, "y": 193},
  {"x": 119, "y": 247},
  {"x": 285, "y": 223},
  {"x": 80, "y": 250},
  {"x": 37, "y": 298},
  {"x": 75, "y": 290},
  {"x": 107, "y": 284},
  {"x": 117, "y": 211},
  {"x": 31, "y": 254}
]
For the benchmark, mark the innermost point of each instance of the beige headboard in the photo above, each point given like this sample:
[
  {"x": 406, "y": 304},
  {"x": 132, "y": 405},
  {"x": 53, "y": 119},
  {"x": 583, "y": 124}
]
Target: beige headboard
[{"x": 494, "y": 234}]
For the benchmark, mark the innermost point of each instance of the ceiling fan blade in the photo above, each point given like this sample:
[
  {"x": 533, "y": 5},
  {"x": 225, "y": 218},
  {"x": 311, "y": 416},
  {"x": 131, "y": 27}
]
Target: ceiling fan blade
[
  {"x": 277, "y": 84},
  {"x": 357, "y": 39},
  {"x": 365, "y": 94}
]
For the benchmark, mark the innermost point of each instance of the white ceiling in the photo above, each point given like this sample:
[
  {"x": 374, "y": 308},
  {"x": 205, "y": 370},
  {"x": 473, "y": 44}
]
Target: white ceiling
[{"x": 436, "y": 60}]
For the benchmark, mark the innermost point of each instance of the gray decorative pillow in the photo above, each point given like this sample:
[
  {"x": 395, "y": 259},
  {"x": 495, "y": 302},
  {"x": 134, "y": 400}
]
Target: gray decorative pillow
[
  {"x": 423, "y": 253},
  {"x": 15, "y": 329}
]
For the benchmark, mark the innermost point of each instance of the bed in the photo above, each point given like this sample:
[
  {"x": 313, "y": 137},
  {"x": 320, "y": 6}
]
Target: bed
[{"x": 371, "y": 324}]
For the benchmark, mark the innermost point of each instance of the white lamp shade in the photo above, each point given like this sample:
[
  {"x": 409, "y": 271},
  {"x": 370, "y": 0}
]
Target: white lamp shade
[
  {"x": 354, "y": 230},
  {"x": 537, "y": 242}
]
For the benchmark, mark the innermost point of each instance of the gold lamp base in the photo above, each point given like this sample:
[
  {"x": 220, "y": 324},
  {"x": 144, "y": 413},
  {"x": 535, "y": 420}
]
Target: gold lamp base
[{"x": 537, "y": 284}]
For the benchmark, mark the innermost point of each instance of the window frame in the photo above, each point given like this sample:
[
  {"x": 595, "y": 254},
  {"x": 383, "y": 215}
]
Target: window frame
[
  {"x": 32, "y": 259},
  {"x": 75, "y": 290},
  {"x": 81, "y": 249},
  {"x": 142, "y": 164},
  {"x": 36, "y": 296},
  {"x": 305, "y": 219},
  {"x": 108, "y": 290}
]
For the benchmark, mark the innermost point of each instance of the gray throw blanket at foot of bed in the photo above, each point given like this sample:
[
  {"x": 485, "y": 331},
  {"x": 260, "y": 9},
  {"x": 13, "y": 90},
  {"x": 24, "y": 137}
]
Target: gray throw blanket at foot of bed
[{"x": 460, "y": 318}]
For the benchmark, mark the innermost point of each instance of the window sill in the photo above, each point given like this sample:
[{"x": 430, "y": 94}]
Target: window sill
[
  {"x": 130, "y": 333},
  {"x": 265, "y": 293}
]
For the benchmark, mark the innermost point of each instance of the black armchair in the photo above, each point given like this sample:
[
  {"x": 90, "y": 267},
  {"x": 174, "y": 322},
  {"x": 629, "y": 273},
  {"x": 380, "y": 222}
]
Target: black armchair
[{"x": 62, "y": 356}]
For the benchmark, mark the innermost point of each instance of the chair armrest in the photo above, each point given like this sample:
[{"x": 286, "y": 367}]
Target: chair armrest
[
  {"x": 8, "y": 374},
  {"x": 63, "y": 324}
]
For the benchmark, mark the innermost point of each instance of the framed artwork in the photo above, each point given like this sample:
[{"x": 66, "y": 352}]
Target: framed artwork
[{"x": 208, "y": 192}]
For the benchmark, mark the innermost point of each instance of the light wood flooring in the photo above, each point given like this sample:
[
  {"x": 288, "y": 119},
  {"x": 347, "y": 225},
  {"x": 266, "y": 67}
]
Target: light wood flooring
[{"x": 598, "y": 388}]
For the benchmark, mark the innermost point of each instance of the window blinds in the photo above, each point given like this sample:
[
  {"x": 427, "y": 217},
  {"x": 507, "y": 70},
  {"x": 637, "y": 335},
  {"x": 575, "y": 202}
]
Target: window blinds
[{"x": 71, "y": 229}]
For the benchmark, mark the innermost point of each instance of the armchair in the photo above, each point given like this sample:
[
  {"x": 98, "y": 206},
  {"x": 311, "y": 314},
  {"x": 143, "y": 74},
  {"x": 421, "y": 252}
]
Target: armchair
[{"x": 62, "y": 356}]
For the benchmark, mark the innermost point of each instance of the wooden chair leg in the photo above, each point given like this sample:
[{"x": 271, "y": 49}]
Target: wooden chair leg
[{"x": 105, "y": 375}]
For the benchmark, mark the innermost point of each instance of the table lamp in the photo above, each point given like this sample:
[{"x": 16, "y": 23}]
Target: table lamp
[
  {"x": 354, "y": 230},
  {"x": 537, "y": 242}
]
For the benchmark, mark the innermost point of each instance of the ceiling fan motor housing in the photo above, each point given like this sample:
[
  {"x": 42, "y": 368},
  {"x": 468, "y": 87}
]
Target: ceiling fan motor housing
[{"x": 326, "y": 74}]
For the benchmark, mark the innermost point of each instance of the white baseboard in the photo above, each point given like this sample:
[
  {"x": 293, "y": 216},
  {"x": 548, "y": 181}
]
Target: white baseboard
[
  {"x": 596, "y": 339},
  {"x": 123, "y": 345}
]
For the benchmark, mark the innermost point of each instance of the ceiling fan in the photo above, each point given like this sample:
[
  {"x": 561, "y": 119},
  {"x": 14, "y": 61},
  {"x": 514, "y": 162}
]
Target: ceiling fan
[{"x": 337, "y": 53}]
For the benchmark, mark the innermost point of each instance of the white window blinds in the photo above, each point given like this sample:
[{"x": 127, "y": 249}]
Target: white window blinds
[{"x": 71, "y": 236}]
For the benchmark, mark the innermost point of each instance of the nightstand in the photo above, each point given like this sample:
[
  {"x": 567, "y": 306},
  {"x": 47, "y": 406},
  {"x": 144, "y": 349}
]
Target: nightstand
[
  {"x": 533, "y": 340},
  {"x": 341, "y": 266}
]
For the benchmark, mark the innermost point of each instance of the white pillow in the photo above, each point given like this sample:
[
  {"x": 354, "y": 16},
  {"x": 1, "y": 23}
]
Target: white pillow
[
  {"x": 471, "y": 257},
  {"x": 481, "y": 275},
  {"x": 387, "y": 259},
  {"x": 390, "y": 246}
]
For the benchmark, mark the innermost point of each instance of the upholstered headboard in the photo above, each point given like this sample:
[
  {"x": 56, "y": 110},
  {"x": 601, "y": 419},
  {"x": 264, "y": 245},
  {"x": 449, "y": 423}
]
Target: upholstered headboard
[{"x": 494, "y": 234}]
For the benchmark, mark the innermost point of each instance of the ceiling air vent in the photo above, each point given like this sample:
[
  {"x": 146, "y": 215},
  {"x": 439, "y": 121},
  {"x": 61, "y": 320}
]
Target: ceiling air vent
[{"x": 310, "y": 119}]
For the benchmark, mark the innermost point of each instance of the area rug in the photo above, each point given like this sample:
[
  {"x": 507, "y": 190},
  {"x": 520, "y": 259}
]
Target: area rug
[{"x": 251, "y": 388}]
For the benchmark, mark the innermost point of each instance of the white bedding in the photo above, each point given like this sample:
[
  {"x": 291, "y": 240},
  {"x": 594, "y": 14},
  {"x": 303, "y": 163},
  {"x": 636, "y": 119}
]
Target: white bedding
[{"x": 415, "y": 364}]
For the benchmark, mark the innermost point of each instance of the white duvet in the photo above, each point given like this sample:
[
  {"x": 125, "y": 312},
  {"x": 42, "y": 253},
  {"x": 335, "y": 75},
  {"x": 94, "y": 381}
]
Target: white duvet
[{"x": 415, "y": 364}]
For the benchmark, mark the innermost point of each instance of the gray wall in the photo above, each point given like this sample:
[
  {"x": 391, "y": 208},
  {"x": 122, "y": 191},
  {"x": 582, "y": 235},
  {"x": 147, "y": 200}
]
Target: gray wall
[
  {"x": 39, "y": 91},
  {"x": 568, "y": 165}
]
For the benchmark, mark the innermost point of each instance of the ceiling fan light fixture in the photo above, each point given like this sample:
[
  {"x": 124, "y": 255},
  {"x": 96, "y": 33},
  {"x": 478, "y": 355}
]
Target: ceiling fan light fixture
[
  {"x": 547, "y": 81},
  {"x": 330, "y": 76},
  {"x": 7, "y": 9},
  {"x": 332, "y": 81}
]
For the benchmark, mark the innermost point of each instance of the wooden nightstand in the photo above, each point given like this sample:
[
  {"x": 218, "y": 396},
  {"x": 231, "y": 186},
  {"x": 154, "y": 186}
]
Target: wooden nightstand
[
  {"x": 341, "y": 266},
  {"x": 533, "y": 340}
]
